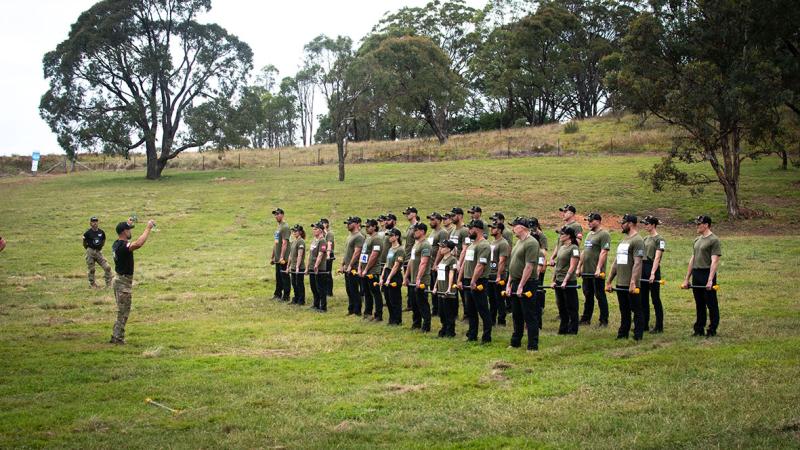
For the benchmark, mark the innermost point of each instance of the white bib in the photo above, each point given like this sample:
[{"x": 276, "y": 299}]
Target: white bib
[
  {"x": 470, "y": 255},
  {"x": 622, "y": 254},
  {"x": 440, "y": 273},
  {"x": 430, "y": 240},
  {"x": 413, "y": 254},
  {"x": 364, "y": 258}
]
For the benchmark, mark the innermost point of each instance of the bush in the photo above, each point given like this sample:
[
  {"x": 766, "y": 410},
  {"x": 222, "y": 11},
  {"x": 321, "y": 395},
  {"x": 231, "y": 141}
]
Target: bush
[
  {"x": 521, "y": 123},
  {"x": 571, "y": 128}
]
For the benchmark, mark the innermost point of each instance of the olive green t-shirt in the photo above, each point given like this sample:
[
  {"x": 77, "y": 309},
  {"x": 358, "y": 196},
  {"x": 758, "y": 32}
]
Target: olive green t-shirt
[
  {"x": 372, "y": 245},
  {"x": 543, "y": 242},
  {"x": 331, "y": 241},
  {"x": 653, "y": 244},
  {"x": 418, "y": 251},
  {"x": 294, "y": 250},
  {"x": 593, "y": 244},
  {"x": 524, "y": 252},
  {"x": 446, "y": 265},
  {"x": 409, "y": 239},
  {"x": 386, "y": 246},
  {"x": 477, "y": 253},
  {"x": 499, "y": 247},
  {"x": 563, "y": 259},
  {"x": 395, "y": 255},
  {"x": 318, "y": 246},
  {"x": 508, "y": 236},
  {"x": 436, "y": 238},
  {"x": 281, "y": 234},
  {"x": 459, "y": 236},
  {"x": 578, "y": 231},
  {"x": 354, "y": 241},
  {"x": 704, "y": 248},
  {"x": 627, "y": 250}
]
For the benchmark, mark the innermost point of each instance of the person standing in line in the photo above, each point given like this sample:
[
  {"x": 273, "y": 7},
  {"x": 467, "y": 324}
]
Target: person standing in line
[
  {"x": 592, "y": 268},
  {"x": 436, "y": 237},
  {"x": 412, "y": 215},
  {"x": 418, "y": 279},
  {"x": 568, "y": 215},
  {"x": 331, "y": 257},
  {"x": 498, "y": 275},
  {"x": 707, "y": 251},
  {"x": 316, "y": 264},
  {"x": 369, "y": 270},
  {"x": 445, "y": 278},
  {"x": 392, "y": 276},
  {"x": 523, "y": 283},
  {"x": 353, "y": 245},
  {"x": 541, "y": 238},
  {"x": 628, "y": 268},
  {"x": 654, "y": 247},
  {"x": 280, "y": 251},
  {"x": 565, "y": 280},
  {"x": 472, "y": 279},
  {"x": 297, "y": 265}
]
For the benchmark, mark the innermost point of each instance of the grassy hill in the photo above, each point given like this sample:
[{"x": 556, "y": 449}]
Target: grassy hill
[{"x": 204, "y": 338}]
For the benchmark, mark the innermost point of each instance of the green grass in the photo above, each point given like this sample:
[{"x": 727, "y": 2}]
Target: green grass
[{"x": 252, "y": 373}]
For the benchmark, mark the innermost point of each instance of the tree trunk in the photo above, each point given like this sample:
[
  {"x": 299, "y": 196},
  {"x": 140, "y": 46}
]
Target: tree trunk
[
  {"x": 340, "y": 144},
  {"x": 153, "y": 172},
  {"x": 427, "y": 112},
  {"x": 784, "y": 159},
  {"x": 732, "y": 199}
]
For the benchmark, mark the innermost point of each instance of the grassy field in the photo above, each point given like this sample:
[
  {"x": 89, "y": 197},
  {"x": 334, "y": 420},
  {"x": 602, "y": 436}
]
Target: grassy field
[{"x": 250, "y": 373}]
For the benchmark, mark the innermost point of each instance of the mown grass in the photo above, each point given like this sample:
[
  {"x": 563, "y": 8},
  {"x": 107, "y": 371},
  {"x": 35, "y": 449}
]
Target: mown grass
[{"x": 248, "y": 372}]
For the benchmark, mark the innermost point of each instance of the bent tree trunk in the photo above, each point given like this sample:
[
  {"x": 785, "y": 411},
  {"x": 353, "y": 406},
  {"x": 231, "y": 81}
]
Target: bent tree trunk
[
  {"x": 153, "y": 172},
  {"x": 439, "y": 129}
]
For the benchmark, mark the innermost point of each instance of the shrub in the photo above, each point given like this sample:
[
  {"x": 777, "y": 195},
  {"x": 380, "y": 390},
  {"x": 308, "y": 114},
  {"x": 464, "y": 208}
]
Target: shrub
[{"x": 571, "y": 128}]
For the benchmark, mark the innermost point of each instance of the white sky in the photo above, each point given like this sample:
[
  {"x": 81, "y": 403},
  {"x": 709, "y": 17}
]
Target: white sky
[{"x": 275, "y": 30}]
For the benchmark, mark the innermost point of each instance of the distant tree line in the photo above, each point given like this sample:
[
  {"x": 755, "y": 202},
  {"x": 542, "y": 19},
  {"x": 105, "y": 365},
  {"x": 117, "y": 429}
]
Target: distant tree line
[{"x": 146, "y": 73}]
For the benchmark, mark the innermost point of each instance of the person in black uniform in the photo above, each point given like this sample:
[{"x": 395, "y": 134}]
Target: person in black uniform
[
  {"x": 93, "y": 241},
  {"x": 123, "y": 283}
]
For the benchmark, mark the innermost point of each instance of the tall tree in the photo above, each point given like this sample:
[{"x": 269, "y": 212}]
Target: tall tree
[
  {"x": 342, "y": 80},
  {"x": 697, "y": 65},
  {"x": 131, "y": 71},
  {"x": 415, "y": 76}
]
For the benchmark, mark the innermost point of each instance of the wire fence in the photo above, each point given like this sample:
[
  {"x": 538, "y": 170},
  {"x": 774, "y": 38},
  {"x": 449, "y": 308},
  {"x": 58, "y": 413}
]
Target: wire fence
[{"x": 489, "y": 145}]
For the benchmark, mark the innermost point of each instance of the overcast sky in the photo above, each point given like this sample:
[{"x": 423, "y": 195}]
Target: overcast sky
[{"x": 276, "y": 31}]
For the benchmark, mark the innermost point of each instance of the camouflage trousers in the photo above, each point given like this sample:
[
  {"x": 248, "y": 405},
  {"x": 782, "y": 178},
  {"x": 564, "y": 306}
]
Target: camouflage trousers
[
  {"x": 96, "y": 256},
  {"x": 123, "y": 292}
]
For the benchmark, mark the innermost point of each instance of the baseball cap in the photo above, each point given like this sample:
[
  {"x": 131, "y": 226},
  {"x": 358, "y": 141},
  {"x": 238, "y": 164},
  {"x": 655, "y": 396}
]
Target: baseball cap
[
  {"x": 593, "y": 216},
  {"x": 476, "y": 224},
  {"x": 352, "y": 219},
  {"x": 651, "y": 220},
  {"x": 381, "y": 218},
  {"x": 410, "y": 209},
  {"x": 629, "y": 218},
  {"x": 457, "y": 210},
  {"x": 324, "y": 220},
  {"x": 703, "y": 219},
  {"x": 394, "y": 232},
  {"x": 498, "y": 216},
  {"x": 449, "y": 244},
  {"x": 421, "y": 226},
  {"x": 435, "y": 215},
  {"x": 567, "y": 207},
  {"x": 475, "y": 209},
  {"x": 122, "y": 226},
  {"x": 93, "y": 219},
  {"x": 521, "y": 221},
  {"x": 277, "y": 211},
  {"x": 497, "y": 225},
  {"x": 391, "y": 216},
  {"x": 318, "y": 225},
  {"x": 297, "y": 227},
  {"x": 371, "y": 223}
]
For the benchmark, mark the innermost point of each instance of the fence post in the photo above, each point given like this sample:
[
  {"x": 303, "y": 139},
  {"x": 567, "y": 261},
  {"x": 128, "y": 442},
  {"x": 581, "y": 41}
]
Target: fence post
[
  {"x": 134, "y": 162},
  {"x": 558, "y": 147},
  {"x": 203, "y": 166},
  {"x": 318, "y": 160},
  {"x": 104, "y": 162},
  {"x": 240, "y": 160},
  {"x": 279, "y": 158},
  {"x": 508, "y": 148},
  {"x": 612, "y": 144},
  {"x": 408, "y": 154},
  {"x": 65, "y": 165},
  {"x": 362, "y": 154}
]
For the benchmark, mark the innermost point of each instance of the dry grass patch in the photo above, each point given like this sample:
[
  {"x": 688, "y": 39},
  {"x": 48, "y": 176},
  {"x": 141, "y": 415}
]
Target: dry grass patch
[{"x": 396, "y": 388}]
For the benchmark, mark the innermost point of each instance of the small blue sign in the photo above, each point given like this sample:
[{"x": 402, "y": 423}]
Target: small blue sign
[{"x": 35, "y": 156}]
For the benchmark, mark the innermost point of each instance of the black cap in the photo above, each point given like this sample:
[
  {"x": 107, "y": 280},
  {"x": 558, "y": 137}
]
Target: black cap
[
  {"x": 497, "y": 225},
  {"x": 420, "y": 226},
  {"x": 651, "y": 220},
  {"x": 352, "y": 219},
  {"x": 521, "y": 221},
  {"x": 567, "y": 207},
  {"x": 394, "y": 232},
  {"x": 297, "y": 227},
  {"x": 93, "y": 219},
  {"x": 390, "y": 216},
  {"x": 476, "y": 224},
  {"x": 122, "y": 226},
  {"x": 533, "y": 222},
  {"x": 593, "y": 216},
  {"x": 447, "y": 215},
  {"x": 371, "y": 223},
  {"x": 381, "y": 218},
  {"x": 569, "y": 231},
  {"x": 457, "y": 210},
  {"x": 410, "y": 209},
  {"x": 277, "y": 211},
  {"x": 435, "y": 215},
  {"x": 703, "y": 219},
  {"x": 498, "y": 216},
  {"x": 475, "y": 209},
  {"x": 629, "y": 218},
  {"x": 318, "y": 225},
  {"x": 325, "y": 221},
  {"x": 449, "y": 244}
]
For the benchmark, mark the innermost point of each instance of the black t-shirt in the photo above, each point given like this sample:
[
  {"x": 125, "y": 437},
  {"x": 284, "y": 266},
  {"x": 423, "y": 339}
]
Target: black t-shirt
[
  {"x": 123, "y": 258},
  {"x": 95, "y": 239}
]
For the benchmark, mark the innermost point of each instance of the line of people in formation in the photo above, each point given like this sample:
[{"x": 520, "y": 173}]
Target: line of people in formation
[{"x": 494, "y": 269}]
